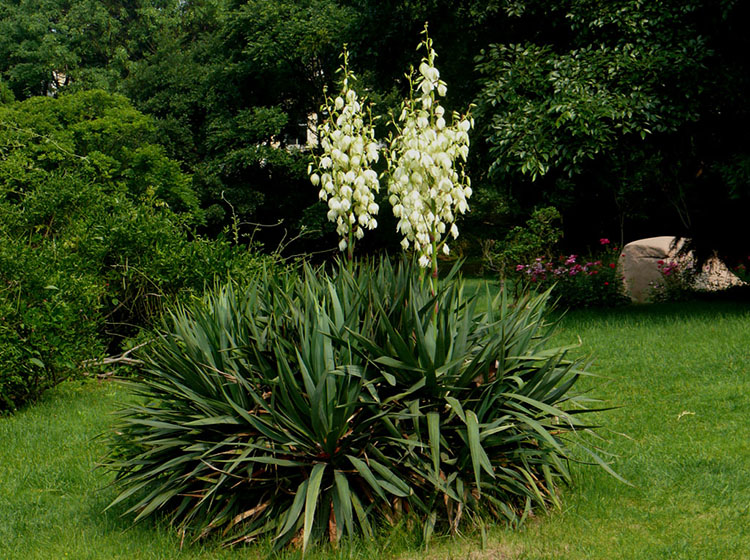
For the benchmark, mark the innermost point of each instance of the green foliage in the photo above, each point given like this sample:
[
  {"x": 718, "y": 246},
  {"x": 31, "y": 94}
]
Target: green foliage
[
  {"x": 49, "y": 319},
  {"x": 256, "y": 70},
  {"x": 522, "y": 244},
  {"x": 546, "y": 110},
  {"x": 95, "y": 235},
  {"x": 629, "y": 99},
  {"x": 623, "y": 115},
  {"x": 316, "y": 406},
  {"x": 46, "y": 45}
]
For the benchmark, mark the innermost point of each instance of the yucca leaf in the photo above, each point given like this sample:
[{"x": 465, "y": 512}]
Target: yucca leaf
[
  {"x": 311, "y": 501},
  {"x": 433, "y": 430},
  {"x": 292, "y": 515},
  {"x": 361, "y": 513},
  {"x": 366, "y": 473},
  {"x": 125, "y": 494},
  {"x": 399, "y": 487},
  {"x": 345, "y": 499},
  {"x": 154, "y": 502},
  {"x": 429, "y": 528},
  {"x": 604, "y": 464},
  {"x": 457, "y": 408},
  {"x": 479, "y": 459},
  {"x": 550, "y": 410}
]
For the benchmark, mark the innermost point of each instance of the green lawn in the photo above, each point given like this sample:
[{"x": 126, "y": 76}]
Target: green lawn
[{"x": 678, "y": 372}]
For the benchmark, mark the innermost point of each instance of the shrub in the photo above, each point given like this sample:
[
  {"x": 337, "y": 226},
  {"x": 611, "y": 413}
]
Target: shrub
[
  {"x": 96, "y": 234},
  {"x": 677, "y": 281},
  {"x": 577, "y": 281},
  {"x": 49, "y": 320},
  {"x": 305, "y": 408},
  {"x": 537, "y": 239}
]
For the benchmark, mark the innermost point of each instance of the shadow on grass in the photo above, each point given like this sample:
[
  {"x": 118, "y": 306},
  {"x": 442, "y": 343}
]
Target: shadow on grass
[{"x": 698, "y": 309}]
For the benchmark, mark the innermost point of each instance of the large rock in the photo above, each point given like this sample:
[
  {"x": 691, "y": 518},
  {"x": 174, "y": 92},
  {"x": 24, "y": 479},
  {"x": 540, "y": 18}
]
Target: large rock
[{"x": 640, "y": 262}]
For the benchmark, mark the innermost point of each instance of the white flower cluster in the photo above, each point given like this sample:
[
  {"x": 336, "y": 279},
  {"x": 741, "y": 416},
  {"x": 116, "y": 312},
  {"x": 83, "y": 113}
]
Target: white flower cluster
[
  {"x": 428, "y": 187},
  {"x": 345, "y": 176}
]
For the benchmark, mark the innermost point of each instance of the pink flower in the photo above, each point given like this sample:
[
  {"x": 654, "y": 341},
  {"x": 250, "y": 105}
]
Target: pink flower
[
  {"x": 571, "y": 259},
  {"x": 519, "y": 267},
  {"x": 604, "y": 241},
  {"x": 611, "y": 265}
]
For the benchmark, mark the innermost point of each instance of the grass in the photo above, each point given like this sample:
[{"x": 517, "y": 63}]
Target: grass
[{"x": 679, "y": 374}]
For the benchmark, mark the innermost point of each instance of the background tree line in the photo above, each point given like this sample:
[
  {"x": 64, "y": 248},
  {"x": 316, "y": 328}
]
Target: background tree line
[{"x": 629, "y": 117}]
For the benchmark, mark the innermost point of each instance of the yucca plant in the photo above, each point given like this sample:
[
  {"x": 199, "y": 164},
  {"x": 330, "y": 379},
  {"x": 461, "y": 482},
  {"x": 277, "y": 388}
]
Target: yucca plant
[{"x": 313, "y": 406}]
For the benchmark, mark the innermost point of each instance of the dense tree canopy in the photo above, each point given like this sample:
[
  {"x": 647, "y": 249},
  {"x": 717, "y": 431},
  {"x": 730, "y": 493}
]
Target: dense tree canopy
[{"x": 627, "y": 116}]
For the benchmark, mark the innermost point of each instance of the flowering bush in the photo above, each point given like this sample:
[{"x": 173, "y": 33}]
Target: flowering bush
[
  {"x": 325, "y": 402},
  {"x": 682, "y": 279},
  {"x": 343, "y": 172},
  {"x": 675, "y": 282},
  {"x": 578, "y": 281}
]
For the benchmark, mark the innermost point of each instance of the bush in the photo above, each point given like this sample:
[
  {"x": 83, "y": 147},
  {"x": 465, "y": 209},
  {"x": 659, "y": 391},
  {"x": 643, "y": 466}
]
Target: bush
[
  {"x": 96, "y": 234},
  {"x": 522, "y": 244},
  {"x": 306, "y": 408},
  {"x": 678, "y": 280},
  {"x": 577, "y": 281},
  {"x": 49, "y": 320}
]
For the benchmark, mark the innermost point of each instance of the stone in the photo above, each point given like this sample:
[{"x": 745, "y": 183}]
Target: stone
[{"x": 640, "y": 263}]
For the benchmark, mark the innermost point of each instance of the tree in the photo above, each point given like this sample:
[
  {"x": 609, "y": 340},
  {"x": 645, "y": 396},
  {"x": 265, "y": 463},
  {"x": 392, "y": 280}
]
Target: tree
[{"x": 628, "y": 110}]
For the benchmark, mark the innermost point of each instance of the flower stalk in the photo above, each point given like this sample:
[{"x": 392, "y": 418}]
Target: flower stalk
[
  {"x": 343, "y": 170},
  {"x": 428, "y": 187}
]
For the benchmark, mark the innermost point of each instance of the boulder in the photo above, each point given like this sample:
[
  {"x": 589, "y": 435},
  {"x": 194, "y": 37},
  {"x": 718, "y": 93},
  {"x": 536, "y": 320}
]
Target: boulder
[{"x": 641, "y": 260}]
